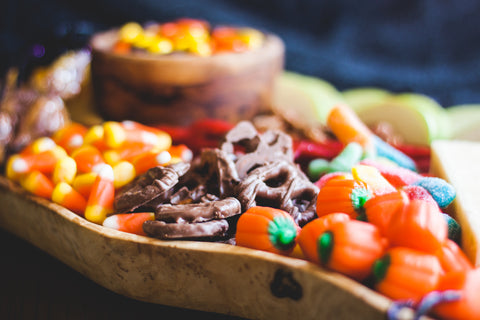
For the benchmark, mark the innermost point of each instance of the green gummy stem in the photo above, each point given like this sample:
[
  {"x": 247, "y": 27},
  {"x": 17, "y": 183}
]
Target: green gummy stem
[
  {"x": 282, "y": 233},
  {"x": 325, "y": 246}
]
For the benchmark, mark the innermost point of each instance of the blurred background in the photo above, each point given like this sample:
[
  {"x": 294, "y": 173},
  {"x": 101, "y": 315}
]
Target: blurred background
[{"x": 430, "y": 47}]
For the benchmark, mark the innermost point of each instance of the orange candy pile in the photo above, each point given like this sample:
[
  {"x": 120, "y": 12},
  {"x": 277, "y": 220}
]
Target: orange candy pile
[{"x": 80, "y": 168}]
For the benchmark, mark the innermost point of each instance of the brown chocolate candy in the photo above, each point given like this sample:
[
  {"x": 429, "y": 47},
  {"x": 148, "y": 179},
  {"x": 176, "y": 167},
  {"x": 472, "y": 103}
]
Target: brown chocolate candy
[
  {"x": 213, "y": 173},
  {"x": 199, "y": 212},
  {"x": 155, "y": 184},
  {"x": 172, "y": 231},
  {"x": 258, "y": 148},
  {"x": 281, "y": 185}
]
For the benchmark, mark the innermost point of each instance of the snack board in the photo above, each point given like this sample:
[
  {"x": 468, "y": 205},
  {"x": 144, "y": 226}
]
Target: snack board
[{"x": 214, "y": 276}]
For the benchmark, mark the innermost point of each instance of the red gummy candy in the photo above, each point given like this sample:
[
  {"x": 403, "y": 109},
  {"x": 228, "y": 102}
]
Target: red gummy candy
[{"x": 418, "y": 192}]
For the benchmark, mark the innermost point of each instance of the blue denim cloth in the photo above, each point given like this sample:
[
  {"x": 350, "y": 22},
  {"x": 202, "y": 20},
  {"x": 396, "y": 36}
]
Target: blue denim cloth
[{"x": 424, "y": 46}]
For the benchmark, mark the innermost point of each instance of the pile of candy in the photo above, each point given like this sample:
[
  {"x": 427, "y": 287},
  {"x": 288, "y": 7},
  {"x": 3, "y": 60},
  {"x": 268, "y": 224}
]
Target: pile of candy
[
  {"x": 186, "y": 35},
  {"x": 378, "y": 222},
  {"x": 366, "y": 212},
  {"x": 81, "y": 168}
]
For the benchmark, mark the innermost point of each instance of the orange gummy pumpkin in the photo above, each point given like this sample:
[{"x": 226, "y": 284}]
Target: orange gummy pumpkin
[
  {"x": 267, "y": 229},
  {"x": 308, "y": 237},
  {"x": 406, "y": 274},
  {"x": 420, "y": 225},
  {"x": 467, "y": 283},
  {"x": 342, "y": 195},
  {"x": 452, "y": 258},
  {"x": 379, "y": 210},
  {"x": 351, "y": 247}
]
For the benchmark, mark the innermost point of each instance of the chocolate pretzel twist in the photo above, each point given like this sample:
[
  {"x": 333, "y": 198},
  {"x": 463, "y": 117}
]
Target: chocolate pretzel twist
[{"x": 279, "y": 184}]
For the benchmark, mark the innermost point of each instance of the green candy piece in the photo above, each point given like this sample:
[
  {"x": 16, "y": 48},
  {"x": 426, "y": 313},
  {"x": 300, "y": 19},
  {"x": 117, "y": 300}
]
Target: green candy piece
[
  {"x": 317, "y": 168},
  {"x": 350, "y": 155},
  {"x": 282, "y": 233},
  {"x": 454, "y": 229},
  {"x": 343, "y": 162},
  {"x": 380, "y": 267},
  {"x": 325, "y": 246}
]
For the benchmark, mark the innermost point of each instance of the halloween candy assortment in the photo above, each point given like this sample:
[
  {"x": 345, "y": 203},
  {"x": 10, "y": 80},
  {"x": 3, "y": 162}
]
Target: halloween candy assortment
[{"x": 364, "y": 211}]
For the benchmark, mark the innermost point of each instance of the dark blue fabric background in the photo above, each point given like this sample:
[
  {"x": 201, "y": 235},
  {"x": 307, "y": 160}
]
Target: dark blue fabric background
[{"x": 430, "y": 46}]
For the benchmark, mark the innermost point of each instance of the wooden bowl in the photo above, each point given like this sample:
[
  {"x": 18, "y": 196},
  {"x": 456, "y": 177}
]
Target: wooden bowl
[
  {"x": 180, "y": 88},
  {"x": 205, "y": 276}
]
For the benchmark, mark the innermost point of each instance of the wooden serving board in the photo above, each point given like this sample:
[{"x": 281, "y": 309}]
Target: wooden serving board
[{"x": 204, "y": 276}]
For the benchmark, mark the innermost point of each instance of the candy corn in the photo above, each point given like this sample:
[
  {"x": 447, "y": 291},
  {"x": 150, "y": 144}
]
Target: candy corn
[
  {"x": 44, "y": 161},
  {"x": 100, "y": 201},
  {"x": 129, "y": 222},
  {"x": 71, "y": 136},
  {"x": 123, "y": 173},
  {"x": 149, "y": 160},
  {"x": 127, "y": 152},
  {"x": 66, "y": 196},
  {"x": 83, "y": 183},
  {"x": 37, "y": 183},
  {"x": 95, "y": 137},
  {"x": 115, "y": 134},
  {"x": 39, "y": 145},
  {"x": 87, "y": 157},
  {"x": 180, "y": 153},
  {"x": 65, "y": 170}
]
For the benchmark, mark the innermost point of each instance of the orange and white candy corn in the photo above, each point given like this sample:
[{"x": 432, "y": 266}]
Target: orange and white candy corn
[
  {"x": 180, "y": 153},
  {"x": 39, "y": 145},
  {"x": 116, "y": 134},
  {"x": 83, "y": 183},
  {"x": 127, "y": 152},
  {"x": 100, "y": 201},
  {"x": 65, "y": 170},
  {"x": 70, "y": 136},
  {"x": 94, "y": 136},
  {"x": 129, "y": 222},
  {"x": 37, "y": 183},
  {"x": 44, "y": 161},
  {"x": 123, "y": 173},
  {"x": 64, "y": 195},
  {"x": 87, "y": 157},
  {"x": 149, "y": 160}
]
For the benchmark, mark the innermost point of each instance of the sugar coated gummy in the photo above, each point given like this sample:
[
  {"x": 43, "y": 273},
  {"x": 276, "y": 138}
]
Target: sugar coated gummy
[{"x": 443, "y": 192}]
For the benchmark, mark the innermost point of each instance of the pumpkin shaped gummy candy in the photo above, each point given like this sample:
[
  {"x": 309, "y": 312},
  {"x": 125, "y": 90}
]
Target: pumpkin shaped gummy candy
[
  {"x": 342, "y": 195},
  {"x": 267, "y": 229}
]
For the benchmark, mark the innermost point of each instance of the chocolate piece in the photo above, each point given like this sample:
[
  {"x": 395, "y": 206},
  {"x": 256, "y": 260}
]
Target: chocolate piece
[
  {"x": 172, "y": 231},
  {"x": 213, "y": 172},
  {"x": 281, "y": 185},
  {"x": 258, "y": 148},
  {"x": 221, "y": 170},
  {"x": 155, "y": 184},
  {"x": 199, "y": 212}
]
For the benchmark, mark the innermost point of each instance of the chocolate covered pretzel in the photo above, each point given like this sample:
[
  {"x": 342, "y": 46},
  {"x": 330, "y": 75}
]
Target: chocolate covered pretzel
[
  {"x": 279, "y": 184},
  {"x": 199, "y": 212},
  {"x": 155, "y": 184},
  {"x": 257, "y": 148},
  {"x": 171, "y": 231}
]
